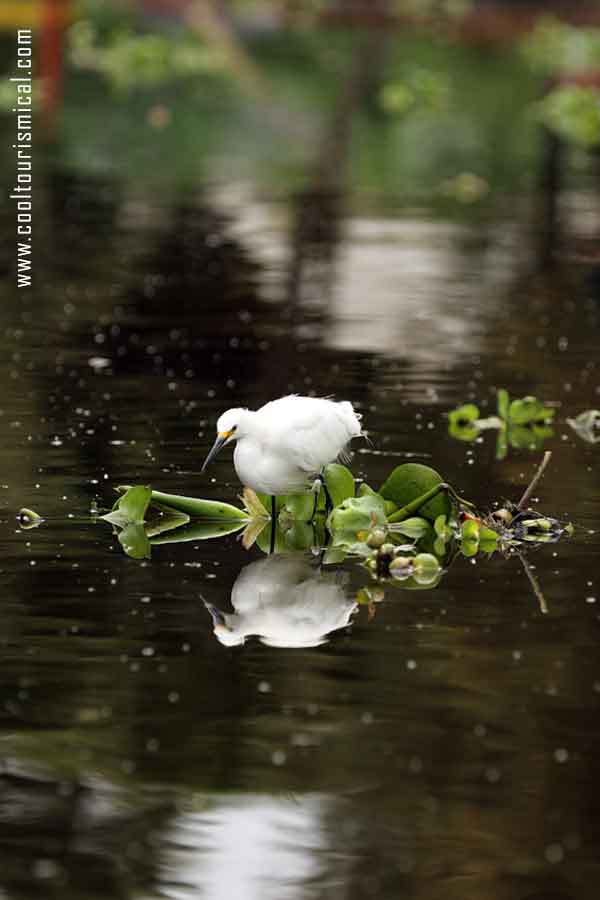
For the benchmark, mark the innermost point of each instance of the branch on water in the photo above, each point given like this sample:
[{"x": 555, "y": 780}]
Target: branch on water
[
  {"x": 534, "y": 584},
  {"x": 522, "y": 504}
]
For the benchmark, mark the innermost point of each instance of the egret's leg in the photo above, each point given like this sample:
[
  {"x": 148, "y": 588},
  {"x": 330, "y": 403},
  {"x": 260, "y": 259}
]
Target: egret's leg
[
  {"x": 273, "y": 522},
  {"x": 328, "y": 500}
]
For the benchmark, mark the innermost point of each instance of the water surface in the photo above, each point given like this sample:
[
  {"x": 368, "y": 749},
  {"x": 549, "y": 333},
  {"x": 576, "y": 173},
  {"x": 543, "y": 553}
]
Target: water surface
[{"x": 446, "y": 746}]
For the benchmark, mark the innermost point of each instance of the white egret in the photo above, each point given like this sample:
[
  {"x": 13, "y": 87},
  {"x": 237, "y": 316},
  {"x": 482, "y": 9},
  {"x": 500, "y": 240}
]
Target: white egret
[
  {"x": 285, "y": 602},
  {"x": 283, "y": 446}
]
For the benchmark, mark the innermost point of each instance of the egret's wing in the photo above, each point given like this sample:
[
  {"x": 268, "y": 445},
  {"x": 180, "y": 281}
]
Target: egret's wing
[{"x": 312, "y": 431}]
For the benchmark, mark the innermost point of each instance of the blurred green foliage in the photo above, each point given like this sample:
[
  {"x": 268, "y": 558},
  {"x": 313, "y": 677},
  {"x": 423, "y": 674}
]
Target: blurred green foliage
[{"x": 559, "y": 51}]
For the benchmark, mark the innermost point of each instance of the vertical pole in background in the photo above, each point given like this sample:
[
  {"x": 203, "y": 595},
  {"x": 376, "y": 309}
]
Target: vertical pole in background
[{"x": 50, "y": 60}]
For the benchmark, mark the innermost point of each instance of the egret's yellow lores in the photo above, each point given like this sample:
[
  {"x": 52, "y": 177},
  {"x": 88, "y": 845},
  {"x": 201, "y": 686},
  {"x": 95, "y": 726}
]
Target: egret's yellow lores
[{"x": 282, "y": 447}]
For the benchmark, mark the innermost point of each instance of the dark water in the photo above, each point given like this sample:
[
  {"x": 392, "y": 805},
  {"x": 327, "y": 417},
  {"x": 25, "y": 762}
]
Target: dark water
[{"x": 447, "y": 746}]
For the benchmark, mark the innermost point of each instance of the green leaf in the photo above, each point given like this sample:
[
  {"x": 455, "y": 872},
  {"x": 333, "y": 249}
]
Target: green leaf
[
  {"x": 414, "y": 527},
  {"x": 131, "y": 507},
  {"x": 465, "y": 433},
  {"x": 527, "y": 437},
  {"x": 503, "y": 403},
  {"x": 356, "y": 515},
  {"x": 464, "y": 415},
  {"x": 299, "y": 537},
  {"x": 529, "y": 410},
  {"x": 470, "y": 530},
  {"x": 410, "y": 481},
  {"x": 199, "y": 531},
  {"x": 163, "y": 518},
  {"x": 134, "y": 541},
  {"x": 469, "y": 548},
  {"x": 426, "y": 568},
  {"x": 340, "y": 482},
  {"x": 298, "y": 507},
  {"x": 194, "y": 507}
]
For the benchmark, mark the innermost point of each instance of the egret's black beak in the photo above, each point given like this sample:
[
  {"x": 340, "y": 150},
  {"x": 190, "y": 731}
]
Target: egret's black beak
[
  {"x": 220, "y": 442},
  {"x": 217, "y": 616}
]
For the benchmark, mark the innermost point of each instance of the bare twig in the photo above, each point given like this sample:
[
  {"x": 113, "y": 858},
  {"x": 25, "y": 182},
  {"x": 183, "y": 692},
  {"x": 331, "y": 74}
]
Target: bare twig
[
  {"x": 534, "y": 481},
  {"x": 534, "y": 584}
]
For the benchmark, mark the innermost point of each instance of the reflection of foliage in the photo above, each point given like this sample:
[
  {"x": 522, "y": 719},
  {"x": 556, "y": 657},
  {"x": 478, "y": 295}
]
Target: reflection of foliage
[
  {"x": 571, "y": 110},
  {"x": 131, "y": 60},
  {"x": 521, "y": 423},
  {"x": 422, "y": 90},
  {"x": 554, "y": 46}
]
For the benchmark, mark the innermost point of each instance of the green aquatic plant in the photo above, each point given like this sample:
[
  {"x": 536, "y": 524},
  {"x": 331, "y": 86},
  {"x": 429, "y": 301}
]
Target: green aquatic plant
[
  {"x": 27, "y": 519},
  {"x": 523, "y": 423}
]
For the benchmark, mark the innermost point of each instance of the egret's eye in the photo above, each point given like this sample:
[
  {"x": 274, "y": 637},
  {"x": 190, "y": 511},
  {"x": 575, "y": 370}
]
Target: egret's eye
[{"x": 233, "y": 428}]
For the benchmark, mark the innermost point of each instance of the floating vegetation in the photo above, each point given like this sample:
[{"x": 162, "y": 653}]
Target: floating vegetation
[
  {"x": 523, "y": 423},
  {"x": 27, "y": 518},
  {"x": 406, "y": 534},
  {"x": 587, "y": 425}
]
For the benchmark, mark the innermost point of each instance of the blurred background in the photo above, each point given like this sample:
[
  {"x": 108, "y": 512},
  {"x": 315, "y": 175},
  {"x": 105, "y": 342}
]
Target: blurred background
[{"x": 394, "y": 202}]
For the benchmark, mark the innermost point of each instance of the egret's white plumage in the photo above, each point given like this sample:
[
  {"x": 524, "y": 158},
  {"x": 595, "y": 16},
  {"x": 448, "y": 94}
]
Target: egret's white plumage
[
  {"x": 285, "y": 602},
  {"x": 284, "y": 444}
]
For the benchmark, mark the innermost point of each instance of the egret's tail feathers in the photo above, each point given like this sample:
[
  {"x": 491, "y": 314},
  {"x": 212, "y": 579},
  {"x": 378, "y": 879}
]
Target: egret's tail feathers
[{"x": 352, "y": 418}]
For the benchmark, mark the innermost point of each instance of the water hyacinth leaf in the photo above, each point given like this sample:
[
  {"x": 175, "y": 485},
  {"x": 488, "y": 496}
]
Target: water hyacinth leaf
[
  {"x": 298, "y": 507},
  {"x": 265, "y": 501},
  {"x": 426, "y": 568},
  {"x": 299, "y": 537},
  {"x": 411, "y": 481},
  {"x": 263, "y": 539},
  {"x": 464, "y": 415},
  {"x": 199, "y": 531},
  {"x": 161, "y": 519},
  {"x": 358, "y": 514},
  {"x": 134, "y": 541},
  {"x": 463, "y": 432},
  {"x": 333, "y": 556},
  {"x": 442, "y": 529},
  {"x": 351, "y": 523},
  {"x": 414, "y": 527},
  {"x": 196, "y": 507},
  {"x": 469, "y": 547},
  {"x": 487, "y": 545},
  {"x": 364, "y": 489},
  {"x": 131, "y": 507},
  {"x": 503, "y": 403},
  {"x": 340, "y": 482},
  {"x": 470, "y": 530},
  {"x": 529, "y": 410},
  {"x": 439, "y": 547},
  {"x": 502, "y": 444},
  {"x": 529, "y": 437}
]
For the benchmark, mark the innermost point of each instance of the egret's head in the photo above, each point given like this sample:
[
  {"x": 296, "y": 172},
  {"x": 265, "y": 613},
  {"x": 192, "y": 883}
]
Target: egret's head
[
  {"x": 229, "y": 428},
  {"x": 224, "y": 632},
  {"x": 230, "y": 422}
]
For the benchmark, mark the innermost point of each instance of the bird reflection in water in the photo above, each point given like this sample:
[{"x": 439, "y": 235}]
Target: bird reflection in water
[{"x": 285, "y": 602}]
